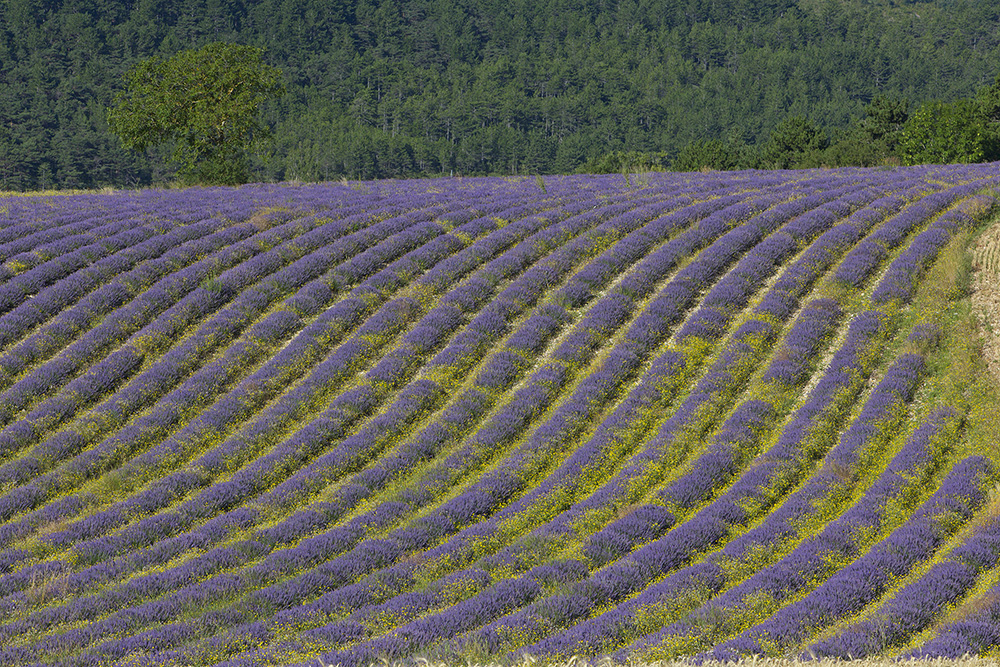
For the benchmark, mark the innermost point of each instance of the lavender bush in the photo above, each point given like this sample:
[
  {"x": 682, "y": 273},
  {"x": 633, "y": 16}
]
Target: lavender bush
[{"x": 482, "y": 418}]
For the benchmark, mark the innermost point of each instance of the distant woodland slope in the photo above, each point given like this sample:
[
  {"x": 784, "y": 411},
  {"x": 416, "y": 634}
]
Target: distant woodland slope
[{"x": 391, "y": 88}]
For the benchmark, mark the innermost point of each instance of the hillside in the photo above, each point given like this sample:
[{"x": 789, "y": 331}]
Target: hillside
[
  {"x": 647, "y": 417},
  {"x": 414, "y": 87}
]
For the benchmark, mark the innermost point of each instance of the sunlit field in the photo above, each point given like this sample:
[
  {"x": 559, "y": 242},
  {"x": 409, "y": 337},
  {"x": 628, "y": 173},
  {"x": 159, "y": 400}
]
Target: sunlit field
[{"x": 642, "y": 419}]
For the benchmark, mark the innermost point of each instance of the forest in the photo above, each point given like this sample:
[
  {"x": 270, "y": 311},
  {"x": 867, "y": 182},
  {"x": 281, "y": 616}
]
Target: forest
[{"x": 397, "y": 88}]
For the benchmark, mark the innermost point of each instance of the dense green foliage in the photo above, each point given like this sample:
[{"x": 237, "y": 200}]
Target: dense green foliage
[
  {"x": 963, "y": 131},
  {"x": 205, "y": 103},
  {"x": 407, "y": 87}
]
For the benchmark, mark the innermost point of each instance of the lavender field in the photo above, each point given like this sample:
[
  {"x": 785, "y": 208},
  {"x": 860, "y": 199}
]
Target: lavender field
[{"x": 634, "y": 418}]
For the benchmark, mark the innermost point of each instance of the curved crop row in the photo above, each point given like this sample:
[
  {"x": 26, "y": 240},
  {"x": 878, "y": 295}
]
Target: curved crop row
[{"x": 710, "y": 414}]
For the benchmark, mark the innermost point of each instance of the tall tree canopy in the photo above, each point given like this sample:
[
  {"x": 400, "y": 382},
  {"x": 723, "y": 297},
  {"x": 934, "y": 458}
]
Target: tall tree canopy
[
  {"x": 205, "y": 103},
  {"x": 410, "y": 87}
]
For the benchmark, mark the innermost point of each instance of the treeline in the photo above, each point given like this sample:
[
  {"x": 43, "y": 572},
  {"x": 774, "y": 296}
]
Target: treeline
[
  {"x": 394, "y": 88},
  {"x": 964, "y": 131}
]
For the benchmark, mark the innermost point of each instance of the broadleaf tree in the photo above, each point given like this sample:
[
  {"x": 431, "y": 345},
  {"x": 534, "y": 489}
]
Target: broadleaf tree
[
  {"x": 945, "y": 133},
  {"x": 204, "y": 103}
]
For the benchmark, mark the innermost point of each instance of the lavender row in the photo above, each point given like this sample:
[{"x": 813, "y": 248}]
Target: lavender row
[
  {"x": 541, "y": 489},
  {"x": 865, "y": 257},
  {"x": 961, "y": 493},
  {"x": 374, "y": 288},
  {"x": 530, "y": 404},
  {"x": 646, "y": 523},
  {"x": 502, "y": 371},
  {"x": 526, "y": 246},
  {"x": 25, "y": 274},
  {"x": 489, "y": 376},
  {"x": 389, "y": 316},
  {"x": 587, "y": 278},
  {"x": 814, "y": 325},
  {"x": 330, "y": 322},
  {"x": 594, "y": 383},
  {"x": 975, "y": 632},
  {"x": 797, "y": 279},
  {"x": 404, "y": 606},
  {"x": 374, "y": 233},
  {"x": 727, "y": 456},
  {"x": 779, "y": 302},
  {"x": 750, "y": 342},
  {"x": 828, "y": 386},
  {"x": 18, "y": 240},
  {"x": 157, "y": 381},
  {"x": 497, "y": 599},
  {"x": 808, "y": 417},
  {"x": 68, "y": 255},
  {"x": 178, "y": 300},
  {"x": 106, "y": 374},
  {"x": 810, "y": 216},
  {"x": 915, "y": 461},
  {"x": 565, "y": 467},
  {"x": 278, "y": 562},
  {"x": 305, "y": 301},
  {"x": 547, "y": 613},
  {"x": 919, "y": 603},
  {"x": 750, "y": 494},
  {"x": 752, "y": 331},
  {"x": 900, "y": 280},
  {"x": 808, "y": 563},
  {"x": 74, "y": 303}
]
